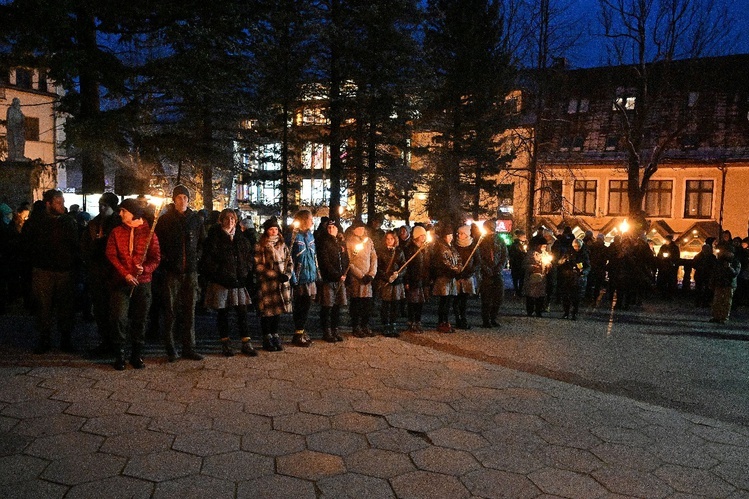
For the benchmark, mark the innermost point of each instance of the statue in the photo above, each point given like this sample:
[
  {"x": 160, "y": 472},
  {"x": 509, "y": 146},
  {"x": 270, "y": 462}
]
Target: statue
[{"x": 15, "y": 131}]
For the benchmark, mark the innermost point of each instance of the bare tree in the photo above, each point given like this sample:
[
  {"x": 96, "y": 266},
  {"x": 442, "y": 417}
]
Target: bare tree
[{"x": 655, "y": 40}]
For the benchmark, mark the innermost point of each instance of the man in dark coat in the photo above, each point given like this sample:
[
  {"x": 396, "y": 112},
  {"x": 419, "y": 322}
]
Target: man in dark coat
[
  {"x": 51, "y": 241},
  {"x": 181, "y": 234}
]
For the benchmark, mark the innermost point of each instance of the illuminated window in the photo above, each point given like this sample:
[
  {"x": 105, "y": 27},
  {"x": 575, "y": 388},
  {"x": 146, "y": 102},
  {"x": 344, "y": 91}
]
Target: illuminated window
[
  {"x": 267, "y": 157},
  {"x": 551, "y": 196},
  {"x": 626, "y": 103},
  {"x": 316, "y": 157},
  {"x": 658, "y": 198},
  {"x": 314, "y": 191},
  {"x": 618, "y": 197},
  {"x": 585, "y": 197},
  {"x": 698, "y": 199}
]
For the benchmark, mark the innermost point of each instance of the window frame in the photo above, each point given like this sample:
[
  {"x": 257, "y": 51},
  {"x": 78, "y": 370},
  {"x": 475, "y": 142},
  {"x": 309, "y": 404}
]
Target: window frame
[
  {"x": 548, "y": 190},
  {"x": 623, "y": 191},
  {"x": 700, "y": 192},
  {"x": 586, "y": 193},
  {"x": 659, "y": 192}
]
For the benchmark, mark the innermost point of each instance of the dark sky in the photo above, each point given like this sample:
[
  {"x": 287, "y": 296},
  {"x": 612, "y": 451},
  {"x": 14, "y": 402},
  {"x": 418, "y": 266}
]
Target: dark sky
[{"x": 591, "y": 51}]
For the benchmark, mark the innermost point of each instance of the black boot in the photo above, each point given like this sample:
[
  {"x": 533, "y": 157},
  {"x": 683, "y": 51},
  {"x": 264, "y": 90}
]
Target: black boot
[
  {"x": 136, "y": 357},
  {"x": 226, "y": 348},
  {"x": 268, "y": 345},
  {"x": 119, "y": 360},
  {"x": 327, "y": 335}
]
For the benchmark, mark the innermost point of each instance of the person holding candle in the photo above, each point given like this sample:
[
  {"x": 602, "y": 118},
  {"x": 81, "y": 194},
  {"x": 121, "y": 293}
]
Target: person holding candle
[
  {"x": 361, "y": 271},
  {"x": 537, "y": 265},
  {"x": 305, "y": 275},
  {"x": 573, "y": 276}
]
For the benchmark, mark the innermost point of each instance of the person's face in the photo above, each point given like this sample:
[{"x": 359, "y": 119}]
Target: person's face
[
  {"x": 181, "y": 202},
  {"x": 126, "y": 216},
  {"x": 462, "y": 236},
  {"x": 403, "y": 233},
  {"x": 419, "y": 240},
  {"x": 576, "y": 245},
  {"x": 272, "y": 232},
  {"x": 228, "y": 223},
  {"x": 105, "y": 210},
  {"x": 390, "y": 240},
  {"x": 56, "y": 206},
  {"x": 448, "y": 238},
  {"x": 359, "y": 231},
  {"x": 332, "y": 230}
]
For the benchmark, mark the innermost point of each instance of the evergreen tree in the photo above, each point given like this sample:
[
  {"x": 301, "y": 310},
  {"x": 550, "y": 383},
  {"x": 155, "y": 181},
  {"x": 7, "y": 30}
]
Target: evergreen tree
[{"x": 467, "y": 48}]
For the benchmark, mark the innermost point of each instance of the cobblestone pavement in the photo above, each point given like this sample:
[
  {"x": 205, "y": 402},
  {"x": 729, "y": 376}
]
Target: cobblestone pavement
[{"x": 425, "y": 416}]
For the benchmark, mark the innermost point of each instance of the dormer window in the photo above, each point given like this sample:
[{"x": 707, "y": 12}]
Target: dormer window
[{"x": 626, "y": 103}]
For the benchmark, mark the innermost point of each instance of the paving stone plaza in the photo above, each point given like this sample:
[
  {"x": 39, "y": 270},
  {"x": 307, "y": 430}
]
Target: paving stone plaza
[{"x": 421, "y": 416}]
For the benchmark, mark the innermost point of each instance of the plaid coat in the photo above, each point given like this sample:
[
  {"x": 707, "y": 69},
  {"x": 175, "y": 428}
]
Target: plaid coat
[{"x": 274, "y": 296}]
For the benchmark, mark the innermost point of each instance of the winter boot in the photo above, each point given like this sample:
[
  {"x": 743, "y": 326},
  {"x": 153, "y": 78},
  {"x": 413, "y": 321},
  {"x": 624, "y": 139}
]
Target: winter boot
[
  {"x": 119, "y": 361},
  {"x": 136, "y": 357},
  {"x": 268, "y": 343},
  {"x": 277, "y": 343},
  {"x": 337, "y": 334},
  {"x": 327, "y": 335},
  {"x": 226, "y": 348}
]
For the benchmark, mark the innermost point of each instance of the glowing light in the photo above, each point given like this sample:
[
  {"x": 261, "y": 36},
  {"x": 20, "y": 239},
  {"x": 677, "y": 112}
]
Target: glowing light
[
  {"x": 341, "y": 209},
  {"x": 546, "y": 258},
  {"x": 694, "y": 232},
  {"x": 482, "y": 229},
  {"x": 624, "y": 226},
  {"x": 665, "y": 255},
  {"x": 429, "y": 237},
  {"x": 296, "y": 224},
  {"x": 686, "y": 240}
]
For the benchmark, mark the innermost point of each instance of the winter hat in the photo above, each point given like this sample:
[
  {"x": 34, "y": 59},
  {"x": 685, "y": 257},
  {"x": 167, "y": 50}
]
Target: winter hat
[
  {"x": 180, "y": 189},
  {"x": 465, "y": 230},
  {"x": 538, "y": 240},
  {"x": 133, "y": 206},
  {"x": 271, "y": 222},
  {"x": 444, "y": 229},
  {"x": 418, "y": 232},
  {"x": 110, "y": 199},
  {"x": 358, "y": 223}
]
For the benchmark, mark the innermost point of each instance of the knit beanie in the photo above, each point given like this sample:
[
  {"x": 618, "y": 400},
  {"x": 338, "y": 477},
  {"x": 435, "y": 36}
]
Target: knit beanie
[
  {"x": 418, "y": 232},
  {"x": 180, "y": 189},
  {"x": 133, "y": 206}
]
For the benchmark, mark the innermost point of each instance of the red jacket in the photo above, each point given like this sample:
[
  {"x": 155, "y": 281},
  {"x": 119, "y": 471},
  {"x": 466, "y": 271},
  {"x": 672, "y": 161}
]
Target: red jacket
[{"x": 118, "y": 252}]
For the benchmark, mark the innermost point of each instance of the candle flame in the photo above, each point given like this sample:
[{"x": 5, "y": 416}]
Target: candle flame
[
  {"x": 624, "y": 226},
  {"x": 429, "y": 237},
  {"x": 546, "y": 258}
]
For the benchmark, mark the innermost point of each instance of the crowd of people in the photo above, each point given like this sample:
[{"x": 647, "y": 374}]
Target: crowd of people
[{"x": 144, "y": 267}]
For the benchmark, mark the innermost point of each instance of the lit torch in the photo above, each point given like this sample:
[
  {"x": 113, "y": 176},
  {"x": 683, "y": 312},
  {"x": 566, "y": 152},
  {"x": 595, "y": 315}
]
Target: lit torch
[
  {"x": 546, "y": 259},
  {"x": 624, "y": 227},
  {"x": 483, "y": 233},
  {"x": 428, "y": 240}
]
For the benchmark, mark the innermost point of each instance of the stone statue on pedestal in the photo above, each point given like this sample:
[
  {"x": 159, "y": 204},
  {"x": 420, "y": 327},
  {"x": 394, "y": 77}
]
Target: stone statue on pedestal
[{"x": 15, "y": 131}]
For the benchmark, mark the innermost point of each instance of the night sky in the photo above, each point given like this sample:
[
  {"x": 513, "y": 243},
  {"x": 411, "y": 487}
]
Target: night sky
[{"x": 591, "y": 51}]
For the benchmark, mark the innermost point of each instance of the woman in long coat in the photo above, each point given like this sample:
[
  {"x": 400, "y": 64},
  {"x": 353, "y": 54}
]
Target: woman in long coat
[
  {"x": 446, "y": 266},
  {"x": 416, "y": 281},
  {"x": 227, "y": 266},
  {"x": 537, "y": 264},
  {"x": 273, "y": 268},
  {"x": 361, "y": 271},
  {"x": 389, "y": 281}
]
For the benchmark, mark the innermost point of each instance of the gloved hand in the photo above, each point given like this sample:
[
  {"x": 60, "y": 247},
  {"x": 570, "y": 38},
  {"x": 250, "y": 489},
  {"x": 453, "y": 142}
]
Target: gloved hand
[
  {"x": 283, "y": 277},
  {"x": 366, "y": 279}
]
